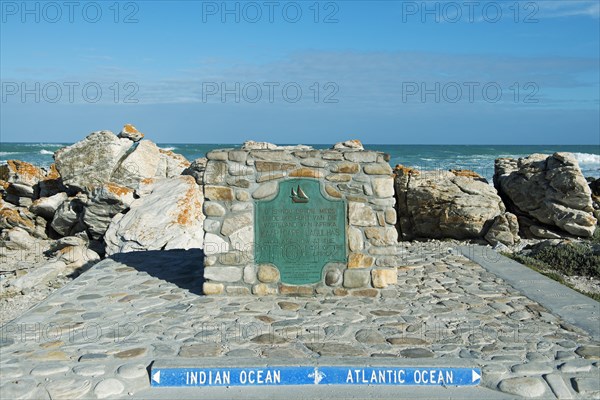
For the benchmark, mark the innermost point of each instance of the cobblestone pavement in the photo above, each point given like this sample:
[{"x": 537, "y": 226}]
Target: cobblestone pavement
[{"x": 95, "y": 337}]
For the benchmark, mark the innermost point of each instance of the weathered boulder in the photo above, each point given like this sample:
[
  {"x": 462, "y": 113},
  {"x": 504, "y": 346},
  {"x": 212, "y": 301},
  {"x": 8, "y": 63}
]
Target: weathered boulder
[
  {"x": 252, "y": 145},
  {"x": 168, "y": 217},
  {"x": 20, "y": 180},
  {"x": 130, "y": 132},
  {"x": 349, "y": 144},
  {"x": 171, "y": 164},
  {"x": 51, "y": 183},
  {"x": 196, "y": 169},
  {"x": 17, "y": 239},
  {"x": 104, "y": 203},
  {"x": 505, "y": 230},
  {"x": 20, "y": 172},
  {"x": 74, "y": 252},
  {"x": 68, "y": 217},
  {"x": 142, "y": 162},
  {"x": 103, "y": 157},
  {"x": 548, "y": 193},
  {"x": 92, "y": 161},
  {"x": 19, "y": 217},
  {"x": 39, "y": 275},
  {"x": 46, "y": 206},
  {"x": 441, "y": 204}
]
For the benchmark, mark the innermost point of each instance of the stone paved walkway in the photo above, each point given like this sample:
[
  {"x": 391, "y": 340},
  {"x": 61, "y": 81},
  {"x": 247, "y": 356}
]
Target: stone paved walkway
[{"x": 95, "y": 337}]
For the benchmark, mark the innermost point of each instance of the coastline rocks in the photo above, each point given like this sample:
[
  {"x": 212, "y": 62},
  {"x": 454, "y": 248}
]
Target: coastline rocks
[
  {"x": 104, "y": 203},
  {"x": 130, "y": 132},
  {"x": 68, "y": 217},
  {"x": 46, "y": 206},
  {"x": 39, "y": 275},
  {"x": 91, "y": 162},
  {"x": 20, "y": 182},
  {"x": 21, "y": 173},
  {"x": 349, "y": 144},
  {"x": 103, "y": 158},
  {"x": 441, "y": 204},
  {"x": 505, "y": 230},
  {"x": 252, "y": 145},
  {"x": 547, "y": 193},
  {"x": 197, "y": 169},
  {"x": 19, "y": 217},
  {"x": 168, "y": 217}
]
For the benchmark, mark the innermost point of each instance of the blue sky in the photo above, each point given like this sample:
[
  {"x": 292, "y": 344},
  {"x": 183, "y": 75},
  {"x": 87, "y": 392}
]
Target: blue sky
[{"x": 313, "y": 72}]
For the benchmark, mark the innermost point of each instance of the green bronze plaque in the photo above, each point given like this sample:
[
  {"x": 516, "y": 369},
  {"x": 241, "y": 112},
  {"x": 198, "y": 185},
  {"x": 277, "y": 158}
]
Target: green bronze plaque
[{"x": 299, "y": 231}]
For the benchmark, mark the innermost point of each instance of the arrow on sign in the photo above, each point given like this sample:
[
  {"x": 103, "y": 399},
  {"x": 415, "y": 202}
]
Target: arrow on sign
[
  {"x": 156, "y": 376},
  {"x": 475, "y": 376}
]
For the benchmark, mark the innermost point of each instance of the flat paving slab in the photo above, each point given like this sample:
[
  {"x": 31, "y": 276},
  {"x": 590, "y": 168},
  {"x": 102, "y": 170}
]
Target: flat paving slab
[
  {"x": 99, "y": 336},
  {"x": 572, "y": 306}
]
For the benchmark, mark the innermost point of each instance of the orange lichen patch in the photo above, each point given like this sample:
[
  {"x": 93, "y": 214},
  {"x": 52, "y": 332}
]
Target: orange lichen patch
[
  {"x": 147, "y": 181},
  {"x": 466, "y": 173},
  {"x": 13, "y": 218},
  {"x": 190, "y": 205},
  {"x": 181, "y": 159},
  {"x": 354, "y": 143},
  {"x": 306, "y": 173},
  {"x": 402, "y": 170},
  {"x": 52, "y": 173},
  {"x": 25, "y": 172},
  {"x": 67, "y": 249},
  {"x": 118, "y": 190},
  {"x": 128, "y": 128},
  {"x": 4, "y": 184}
]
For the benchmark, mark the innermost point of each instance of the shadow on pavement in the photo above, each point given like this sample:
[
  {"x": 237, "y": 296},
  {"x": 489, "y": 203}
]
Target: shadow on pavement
[{"x": 184, "y": 268}]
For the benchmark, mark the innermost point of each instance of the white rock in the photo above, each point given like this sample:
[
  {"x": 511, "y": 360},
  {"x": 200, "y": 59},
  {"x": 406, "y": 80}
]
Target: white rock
[
  {"x": 39, "y": 275},
  {"x": 252, "y": 145},
  {"x": 170, "y": 217},
  {"x": 91, "y": 162},
  {"x": 130, "y": 132},
  {"x": 105, "y": 202},
  {"x": 47, "y": 206}
]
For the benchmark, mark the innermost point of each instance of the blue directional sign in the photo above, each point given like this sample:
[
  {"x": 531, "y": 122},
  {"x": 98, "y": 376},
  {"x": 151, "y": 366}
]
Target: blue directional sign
[{"x": 319, "y": 375}]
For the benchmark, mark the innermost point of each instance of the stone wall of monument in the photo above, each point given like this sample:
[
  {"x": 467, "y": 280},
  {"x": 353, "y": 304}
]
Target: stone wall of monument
[{"x": 261, "y": 187}]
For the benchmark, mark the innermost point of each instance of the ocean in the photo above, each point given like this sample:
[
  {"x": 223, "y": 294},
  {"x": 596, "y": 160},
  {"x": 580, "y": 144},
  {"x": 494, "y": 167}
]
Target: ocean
[{"x": 479, "y": 158}]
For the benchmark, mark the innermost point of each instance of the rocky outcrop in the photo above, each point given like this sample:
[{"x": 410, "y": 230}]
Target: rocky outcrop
[
  {"x": 67, "y": 219},
  {"x": 104, "y": 203},
  {"x": 46, "y": 206},
  {"x": 103, "y": 158},
  {"x": 12, "y": 216},
  {"x": 505, "y": 230},
  {"x": 20, "y": 182},
  {"x": 196, "y": 169},
  {"x": 92, "y": 161},
  {"x": 548, "y": 194},
  {"x": 168, "y": 217},
  {"x": 53, "y": 221},
  {"x": 130, "y": 132},
  {"x": 444, "y": 204},
  {"x": 349, "y": 144}
]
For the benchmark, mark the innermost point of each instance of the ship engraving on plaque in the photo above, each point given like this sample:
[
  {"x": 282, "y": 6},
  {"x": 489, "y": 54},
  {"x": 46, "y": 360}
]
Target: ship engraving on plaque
[{"x": 300, "y": 231}]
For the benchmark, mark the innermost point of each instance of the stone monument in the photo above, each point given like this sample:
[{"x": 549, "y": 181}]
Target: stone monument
[{"x": 299, "y": 221}]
